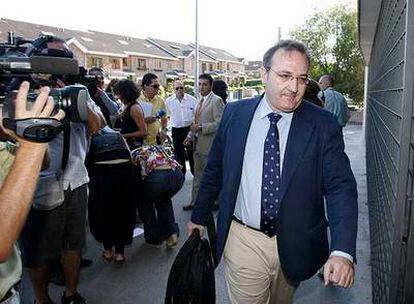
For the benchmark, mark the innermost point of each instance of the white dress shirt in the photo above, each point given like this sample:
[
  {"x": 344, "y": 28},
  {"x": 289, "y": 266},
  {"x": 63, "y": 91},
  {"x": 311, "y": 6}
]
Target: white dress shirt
[
  {"x": 248, "y": 202},
  {"x": 182, "y": 112}
]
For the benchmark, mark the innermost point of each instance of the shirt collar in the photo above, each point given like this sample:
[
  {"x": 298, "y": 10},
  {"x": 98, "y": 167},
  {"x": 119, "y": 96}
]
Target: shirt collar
[
  {"x": 207, "y": 97},
  {"x": 145, "y": 98},
  {"x": 184, "y": 97},
  {"x": 265, "y": 109}
]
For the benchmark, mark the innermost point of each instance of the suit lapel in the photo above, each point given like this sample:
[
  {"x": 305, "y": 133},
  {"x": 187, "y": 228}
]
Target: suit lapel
[
  {"x": 298, "y": 139},
  {"x": 240, "y": 126}
]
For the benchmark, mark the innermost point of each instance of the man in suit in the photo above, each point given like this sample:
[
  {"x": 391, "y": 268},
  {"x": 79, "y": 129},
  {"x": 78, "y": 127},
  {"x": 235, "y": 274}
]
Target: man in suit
[
  {"x": 206, "y": 120},
  {"x": 273, "y": 161}
]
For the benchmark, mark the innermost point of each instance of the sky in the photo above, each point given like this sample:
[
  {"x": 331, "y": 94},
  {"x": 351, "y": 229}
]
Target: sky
[{"x": 244, "y": 28}]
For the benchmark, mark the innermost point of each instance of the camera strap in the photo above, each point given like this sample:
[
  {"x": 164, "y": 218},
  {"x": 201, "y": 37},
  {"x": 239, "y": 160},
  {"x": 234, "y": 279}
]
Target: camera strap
[{"x": 66, "y": 143}]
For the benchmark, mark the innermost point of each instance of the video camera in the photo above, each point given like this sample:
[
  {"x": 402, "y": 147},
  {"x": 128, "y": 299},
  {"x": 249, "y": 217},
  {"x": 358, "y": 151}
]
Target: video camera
[{"x": 18, "y": 63}]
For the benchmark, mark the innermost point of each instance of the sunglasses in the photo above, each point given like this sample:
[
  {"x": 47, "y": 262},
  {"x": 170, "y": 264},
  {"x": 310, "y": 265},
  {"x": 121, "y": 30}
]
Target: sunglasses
[
  {"x": 155, "y": 86},
  {"x": 179, "y": 88}
]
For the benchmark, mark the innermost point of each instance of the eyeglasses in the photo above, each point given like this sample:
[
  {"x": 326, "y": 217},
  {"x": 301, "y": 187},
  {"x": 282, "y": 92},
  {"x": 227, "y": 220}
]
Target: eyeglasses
[
  {"x": 285, "y": 77},
  {"x": 179, "y": 88},
  {"x": 155, "y": 86}
]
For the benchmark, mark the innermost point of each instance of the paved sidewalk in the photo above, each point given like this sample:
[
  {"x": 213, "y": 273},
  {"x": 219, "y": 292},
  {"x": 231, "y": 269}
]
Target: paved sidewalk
[{"x": 143, "y": 278}]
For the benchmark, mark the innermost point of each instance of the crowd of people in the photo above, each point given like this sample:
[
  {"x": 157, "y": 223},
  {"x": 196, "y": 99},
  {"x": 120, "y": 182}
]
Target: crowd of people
[{"x": 208, "y": 136}]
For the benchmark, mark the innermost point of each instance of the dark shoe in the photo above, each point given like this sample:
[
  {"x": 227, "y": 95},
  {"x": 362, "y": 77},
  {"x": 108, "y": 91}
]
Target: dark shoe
[
  {"x": 188, "y": 207},
  {"x": 85, "y": 263},
  {"x": 172, "y": 240},
  {"x": 76, "y": 298},
  {"x": 154, "y": 245}
]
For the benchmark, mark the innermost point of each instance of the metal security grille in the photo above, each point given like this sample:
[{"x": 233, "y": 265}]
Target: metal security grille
[{"x": 390, "y": 151}]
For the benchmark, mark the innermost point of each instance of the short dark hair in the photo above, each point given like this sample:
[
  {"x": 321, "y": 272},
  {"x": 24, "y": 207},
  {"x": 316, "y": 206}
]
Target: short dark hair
[
  {"x": 286, "y": 45},
  {"x": 146, "y": 80},
  {"x": 127, "y": 90},
  {"x": 207, "y": 77},
  {"x": 328, "y": 78}
]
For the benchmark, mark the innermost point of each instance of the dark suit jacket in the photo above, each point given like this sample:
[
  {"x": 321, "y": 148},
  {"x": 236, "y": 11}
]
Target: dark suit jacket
[{"x": 315, "y": 166}]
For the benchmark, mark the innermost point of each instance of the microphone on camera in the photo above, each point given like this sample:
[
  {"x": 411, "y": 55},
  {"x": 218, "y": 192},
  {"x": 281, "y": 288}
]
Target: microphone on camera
[
  {"x": 40, "y": 64},
  {"x": 54, "y": 65}
]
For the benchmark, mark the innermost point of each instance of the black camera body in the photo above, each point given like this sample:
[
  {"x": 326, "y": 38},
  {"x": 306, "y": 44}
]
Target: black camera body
[{"x": 19, "y": 62}]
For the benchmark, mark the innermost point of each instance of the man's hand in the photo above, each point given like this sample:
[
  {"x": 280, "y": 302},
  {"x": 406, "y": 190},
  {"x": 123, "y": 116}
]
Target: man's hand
[
  {"x": 187, "y": 141},
  {"x": 195, "y": 127},
  {"x": 191, "y": 226},
  {"x": 41, "y": 108},
  {"x": 339, "y": 271}
]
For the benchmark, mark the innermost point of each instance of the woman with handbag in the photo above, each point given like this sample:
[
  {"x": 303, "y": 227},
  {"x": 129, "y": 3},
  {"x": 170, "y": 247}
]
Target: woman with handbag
[
  {"x": 115, "y": 183},
  {"x": 162, "y": 179},
  {"x": 132, "y": 124}
]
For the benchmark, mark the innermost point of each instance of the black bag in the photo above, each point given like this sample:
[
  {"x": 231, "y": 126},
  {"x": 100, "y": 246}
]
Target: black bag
[
  {"x": 191, "y": 278},
  {"x": 108, "y": 145}
]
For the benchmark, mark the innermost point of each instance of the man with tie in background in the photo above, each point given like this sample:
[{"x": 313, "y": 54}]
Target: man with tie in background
[{"x": 206, "y": 120}]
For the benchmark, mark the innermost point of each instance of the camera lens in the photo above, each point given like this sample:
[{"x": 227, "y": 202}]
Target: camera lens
[{"x": 73, "y": 100}]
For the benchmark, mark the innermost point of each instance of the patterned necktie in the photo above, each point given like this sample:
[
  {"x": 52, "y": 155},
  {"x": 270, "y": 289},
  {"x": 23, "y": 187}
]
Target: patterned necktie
[
  {"x": 270, "y": 178},
  {"x": 198, "y": 111}
]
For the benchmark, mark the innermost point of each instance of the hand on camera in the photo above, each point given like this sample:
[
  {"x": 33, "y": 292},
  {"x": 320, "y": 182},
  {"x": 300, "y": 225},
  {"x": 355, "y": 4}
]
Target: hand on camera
[{"x": 41, "y": 108}]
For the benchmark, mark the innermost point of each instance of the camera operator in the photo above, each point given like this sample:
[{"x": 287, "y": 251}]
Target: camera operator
[
  {"x": 95, "y": 87},
  {"x": 19, "y": 170},
  {"x": 48, "y": 233}
]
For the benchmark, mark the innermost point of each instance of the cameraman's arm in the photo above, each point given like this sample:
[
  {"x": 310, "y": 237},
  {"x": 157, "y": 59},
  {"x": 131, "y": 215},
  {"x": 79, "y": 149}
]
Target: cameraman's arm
[
  {"x": 96, "y": 120},
  {"x": 111, "y": 105},
  {"x": 14, "y": 201},
  {"x": 17, "y": 190}
]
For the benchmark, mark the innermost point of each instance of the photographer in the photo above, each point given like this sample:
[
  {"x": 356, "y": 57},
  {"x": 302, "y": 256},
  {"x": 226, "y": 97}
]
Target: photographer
[
  {"x": 19, "y": 171},
  {"x": 61, "y": 229},
  {"x": 95, "y": 85}
]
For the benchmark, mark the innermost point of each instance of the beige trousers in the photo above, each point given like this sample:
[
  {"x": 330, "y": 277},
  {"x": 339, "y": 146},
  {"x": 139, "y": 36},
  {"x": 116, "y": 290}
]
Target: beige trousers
[
  {"x": 252, "y": 269},
  {"x": 200, "y": 163}
]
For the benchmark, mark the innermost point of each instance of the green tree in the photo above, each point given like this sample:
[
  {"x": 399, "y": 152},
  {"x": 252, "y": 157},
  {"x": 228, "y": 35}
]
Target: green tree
[{"x": 331, "y": 37}]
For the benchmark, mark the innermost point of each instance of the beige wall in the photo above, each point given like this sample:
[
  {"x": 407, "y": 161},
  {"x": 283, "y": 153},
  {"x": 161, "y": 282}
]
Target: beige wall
[{"x": 79, "y": 55}]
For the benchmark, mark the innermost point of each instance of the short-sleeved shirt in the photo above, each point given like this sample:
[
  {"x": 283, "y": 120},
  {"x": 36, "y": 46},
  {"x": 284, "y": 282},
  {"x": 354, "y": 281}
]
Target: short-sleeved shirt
[
  {"x": 157, "y": 104},
  {"x": 75, "y": 174}
]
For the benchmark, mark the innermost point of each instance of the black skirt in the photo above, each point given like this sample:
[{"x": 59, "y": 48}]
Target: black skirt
[{"x": 113, "y": 197}]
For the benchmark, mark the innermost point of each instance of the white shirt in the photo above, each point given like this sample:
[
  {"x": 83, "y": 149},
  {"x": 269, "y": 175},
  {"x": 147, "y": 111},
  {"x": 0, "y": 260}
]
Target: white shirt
[
  {"x": 182, "y": 112},
  {"x": 248, "y": 202}
]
